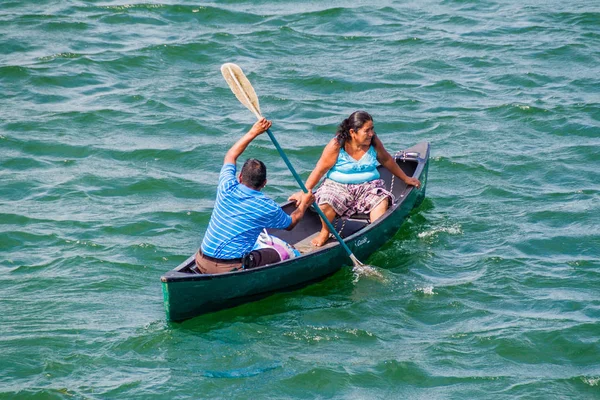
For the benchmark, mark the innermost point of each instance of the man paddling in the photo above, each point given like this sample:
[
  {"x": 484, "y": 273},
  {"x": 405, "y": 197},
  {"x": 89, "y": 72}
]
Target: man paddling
[{"x": 242, "y": 211}]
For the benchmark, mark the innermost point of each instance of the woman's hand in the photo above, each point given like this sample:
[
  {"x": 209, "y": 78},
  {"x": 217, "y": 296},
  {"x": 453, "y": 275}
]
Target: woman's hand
[{"x": 413, "y": 182}]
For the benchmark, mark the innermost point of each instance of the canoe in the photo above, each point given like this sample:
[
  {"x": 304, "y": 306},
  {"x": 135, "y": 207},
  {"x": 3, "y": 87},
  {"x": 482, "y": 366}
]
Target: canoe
[{"x": 188, "y": 293}]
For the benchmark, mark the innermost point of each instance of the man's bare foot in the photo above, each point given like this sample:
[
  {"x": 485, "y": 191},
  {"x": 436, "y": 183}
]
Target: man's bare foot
[{"x": 321, "y": 239}]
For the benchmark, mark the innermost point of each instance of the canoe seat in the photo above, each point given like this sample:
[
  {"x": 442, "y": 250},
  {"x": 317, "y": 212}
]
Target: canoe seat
[
  {"x": 360, "y": 220},
  {"x": 360, "y": 217},
  {"x": 194, "y": 269}
]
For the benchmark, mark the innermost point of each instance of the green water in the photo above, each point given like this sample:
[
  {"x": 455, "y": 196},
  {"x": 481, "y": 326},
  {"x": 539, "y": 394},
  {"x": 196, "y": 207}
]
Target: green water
[{"x": 114, "y": 121}]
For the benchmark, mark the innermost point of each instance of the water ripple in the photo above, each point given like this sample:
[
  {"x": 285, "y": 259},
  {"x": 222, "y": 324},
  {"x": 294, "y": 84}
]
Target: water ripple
[{"x": 114, "y": 124}]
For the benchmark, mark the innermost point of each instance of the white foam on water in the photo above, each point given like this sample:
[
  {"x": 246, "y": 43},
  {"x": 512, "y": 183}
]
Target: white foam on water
[
  {"x": 591, "y": 381},
  {"x": 452, "y": 230},
  {"x": 428, "y": 290},
  {"x": 366, "y": 271}
]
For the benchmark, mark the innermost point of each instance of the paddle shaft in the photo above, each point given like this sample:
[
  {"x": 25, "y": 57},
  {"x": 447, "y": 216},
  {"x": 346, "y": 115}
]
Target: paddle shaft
[{"x": 305, "y": 190}]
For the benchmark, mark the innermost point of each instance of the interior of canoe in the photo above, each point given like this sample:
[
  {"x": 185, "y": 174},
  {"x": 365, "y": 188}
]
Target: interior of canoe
[{"x": 309, "y": 227}]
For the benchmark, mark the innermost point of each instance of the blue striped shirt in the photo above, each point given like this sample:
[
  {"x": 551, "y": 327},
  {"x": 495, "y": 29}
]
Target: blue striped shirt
[{"x": 239, "y": 215}]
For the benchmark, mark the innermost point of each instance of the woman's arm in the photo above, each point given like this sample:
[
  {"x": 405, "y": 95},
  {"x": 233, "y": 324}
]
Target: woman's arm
[
  {"x": 327, "y": 160},
  {"x": 388, "y": 161}
]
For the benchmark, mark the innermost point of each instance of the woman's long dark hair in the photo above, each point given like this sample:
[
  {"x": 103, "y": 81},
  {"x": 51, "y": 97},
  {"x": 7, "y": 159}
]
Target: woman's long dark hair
[{"x": 355, "y": 121}]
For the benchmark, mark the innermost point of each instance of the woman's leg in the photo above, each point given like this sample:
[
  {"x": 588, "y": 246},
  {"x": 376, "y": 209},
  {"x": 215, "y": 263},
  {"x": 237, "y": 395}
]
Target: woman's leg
[
  {"x": 379, "y": 210},
  {"x": 324, "y": 234}
]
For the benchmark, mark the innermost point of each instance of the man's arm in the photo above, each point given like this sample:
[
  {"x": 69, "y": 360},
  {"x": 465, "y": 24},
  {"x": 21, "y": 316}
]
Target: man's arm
[
  {"x": 305, "y": 201},
  {"x": 238, "y": 148}
]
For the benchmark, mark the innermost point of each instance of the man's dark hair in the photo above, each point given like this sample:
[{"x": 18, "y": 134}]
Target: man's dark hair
[{"x": 254, "y": 173}]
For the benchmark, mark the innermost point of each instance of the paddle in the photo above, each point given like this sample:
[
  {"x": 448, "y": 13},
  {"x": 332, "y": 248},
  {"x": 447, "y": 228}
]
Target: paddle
[{"x": 243, "y": 90}]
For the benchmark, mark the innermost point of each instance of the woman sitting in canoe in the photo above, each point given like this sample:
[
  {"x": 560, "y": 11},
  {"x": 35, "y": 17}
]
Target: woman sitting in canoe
[{"x": 349, "y": 163}]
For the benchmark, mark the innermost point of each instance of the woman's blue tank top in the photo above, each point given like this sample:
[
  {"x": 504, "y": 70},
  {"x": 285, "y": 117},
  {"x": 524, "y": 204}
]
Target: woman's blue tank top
[{"x": 349, "y": 171}]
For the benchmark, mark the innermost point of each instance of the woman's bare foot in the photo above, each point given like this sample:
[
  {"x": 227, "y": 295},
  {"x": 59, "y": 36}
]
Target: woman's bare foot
[
  {"x": 321, "y": 239},
  {"x": 323, "y": 236}
]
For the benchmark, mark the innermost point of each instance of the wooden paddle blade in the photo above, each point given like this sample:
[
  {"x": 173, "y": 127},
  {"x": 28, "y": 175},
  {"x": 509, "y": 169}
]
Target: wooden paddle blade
[{"x": 241, "y": 87}]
